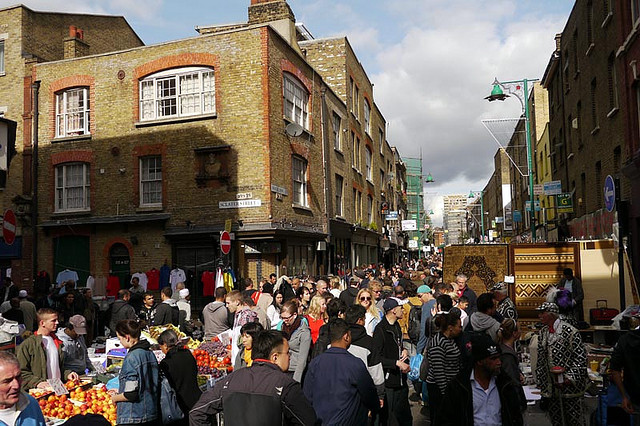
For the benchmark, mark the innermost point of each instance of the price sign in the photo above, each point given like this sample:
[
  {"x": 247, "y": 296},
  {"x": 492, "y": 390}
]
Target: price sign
[{"x": 58, "y": 387}]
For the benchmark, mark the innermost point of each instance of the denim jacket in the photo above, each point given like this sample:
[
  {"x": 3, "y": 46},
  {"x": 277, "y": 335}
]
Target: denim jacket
[{"x": 139, "y": 377}]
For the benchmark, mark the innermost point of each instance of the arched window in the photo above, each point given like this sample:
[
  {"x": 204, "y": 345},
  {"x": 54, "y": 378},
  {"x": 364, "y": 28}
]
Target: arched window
[{"x": 178, "y": 92}]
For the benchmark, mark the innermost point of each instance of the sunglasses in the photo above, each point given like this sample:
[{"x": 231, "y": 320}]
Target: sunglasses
[{"x": 365, "y": 298}]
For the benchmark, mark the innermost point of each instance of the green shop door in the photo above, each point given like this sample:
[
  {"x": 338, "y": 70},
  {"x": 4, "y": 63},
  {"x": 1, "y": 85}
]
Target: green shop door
[
  {"x": 72, "y": 252},
  {"x": 119, "y": 263}
]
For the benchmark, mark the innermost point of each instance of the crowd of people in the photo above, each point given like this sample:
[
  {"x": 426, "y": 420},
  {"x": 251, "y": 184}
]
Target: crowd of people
[{"x": 336, "y": 350}]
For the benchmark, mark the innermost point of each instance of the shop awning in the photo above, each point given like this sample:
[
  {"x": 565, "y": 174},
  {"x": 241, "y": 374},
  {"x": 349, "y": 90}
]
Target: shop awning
[{"x": 13, "y": 251}]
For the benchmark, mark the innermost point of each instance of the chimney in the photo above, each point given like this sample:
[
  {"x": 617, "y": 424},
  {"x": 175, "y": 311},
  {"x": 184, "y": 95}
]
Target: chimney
[
  {"x": 278, "y": 14},
  {"x": 74, "y": 45}
]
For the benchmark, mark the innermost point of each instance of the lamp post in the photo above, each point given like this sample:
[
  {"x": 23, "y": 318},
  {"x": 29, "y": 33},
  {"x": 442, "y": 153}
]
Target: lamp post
[
  {"x": 520, "y": 89},
  {"x": 472, "y": 194}
]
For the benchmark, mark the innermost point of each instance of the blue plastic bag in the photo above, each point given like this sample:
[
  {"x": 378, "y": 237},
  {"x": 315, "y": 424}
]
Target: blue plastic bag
[{"x": 414, "y": 364}]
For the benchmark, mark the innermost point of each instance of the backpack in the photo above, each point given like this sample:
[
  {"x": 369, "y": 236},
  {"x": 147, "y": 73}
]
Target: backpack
[{"x": 415, "y": 315}]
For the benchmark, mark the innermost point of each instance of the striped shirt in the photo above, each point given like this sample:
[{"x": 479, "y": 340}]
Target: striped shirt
[{"x": 444, "y": 361}]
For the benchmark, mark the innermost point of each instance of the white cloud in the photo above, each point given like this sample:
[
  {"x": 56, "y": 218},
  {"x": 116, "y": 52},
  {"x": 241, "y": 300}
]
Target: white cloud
[{"x": 145, "y": 10}]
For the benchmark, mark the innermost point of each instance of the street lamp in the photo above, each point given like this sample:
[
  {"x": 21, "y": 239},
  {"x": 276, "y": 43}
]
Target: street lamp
[
  {"x": 473, "y": 194},
  {"x": 429, "y": 178},
  {"x": 520, "y": 89}
]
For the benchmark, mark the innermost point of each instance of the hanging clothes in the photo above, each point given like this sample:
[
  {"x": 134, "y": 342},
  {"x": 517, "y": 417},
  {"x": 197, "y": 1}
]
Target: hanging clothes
[
  {"x": 66, "y": 275},
  {"x": 219, "y": 278},
  {"x": 165, "y": 274},
  {"x": 208, "y": 279},
  {"x": 228, "y": 281},
  {"x": 43, "y": 283},
  {"x": 100, "y": 286},
  {"x": 177, "y": 276},
  {"x": 90, "y": 282},
  {"x": 113, "y": 286},
  {"x": 142, "y": 279},
  {"x": 153, "y": 279}
]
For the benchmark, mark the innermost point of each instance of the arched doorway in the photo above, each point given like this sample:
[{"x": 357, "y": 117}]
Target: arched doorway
[{"x": 119, "y": 263}]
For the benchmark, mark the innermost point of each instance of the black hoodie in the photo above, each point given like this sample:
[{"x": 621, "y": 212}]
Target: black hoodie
[
  {"x": 348, "y": 296},
  {"x": 625, "y": 359},
  {"x": 387, "y": 346}
]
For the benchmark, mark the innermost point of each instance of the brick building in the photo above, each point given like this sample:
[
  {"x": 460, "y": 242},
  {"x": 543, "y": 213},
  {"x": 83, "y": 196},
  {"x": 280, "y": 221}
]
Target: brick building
[
  {"x": 27, "y": 38},
  {"x": 146, "y": 153}
]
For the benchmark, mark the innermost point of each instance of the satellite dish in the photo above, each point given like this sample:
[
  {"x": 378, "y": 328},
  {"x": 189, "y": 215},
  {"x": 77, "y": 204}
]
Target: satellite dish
[{"x": 293, "y": 129}]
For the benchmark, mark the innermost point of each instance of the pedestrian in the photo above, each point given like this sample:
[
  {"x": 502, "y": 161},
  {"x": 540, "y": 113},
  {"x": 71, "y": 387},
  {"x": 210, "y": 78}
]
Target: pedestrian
[
  {"x": 40, "y": 355},
  {"x": 76, "y": 356},
  {"x": 482, "y": 395},
  {"x": 373, "y": 315},
  {"x": 506, "y": 308},
  {"x": 138, "y": 389},
  {"x": 387, "y": 346},
  {"x": 625, "y": 360},
  {"x": 67, "y": 307},
  {"x": 14, "y": 313},
  {"x": 316, "y": 316},
  {"x": 508, "y": 335},
  {"x": 247, "y": 334},
  {"x": 273, "y": 311},
  {"x": 215, "y": 315},
  {"x": 295, "y": 329},
  {"x": 483, "y": 320},
  {"x": 242, "y": 314},
  {"x": 121, "y": 310},
  {"x": 464, "y": 290},
  {"x": 574, "y": 285},
  {"x": 349, "y": 295},
  {"x": 304, "y": 298},
  {"x": 336, "y": 308},
  {"x": 148, "y": 310},
  {"x": 561, "y": 369},
  {"x": 90, "y": 314},
  {"x": 17, "y": 407},
  {"x": 180, "y": 369},
  {"x": 184, "y": 307},
  {"x": 28, "y": 310},
  {"x": 167, "y": 311},
  {"x": 443, "y": 359},
  {"x": 275, "y": 397},
  {"x": 353, "y": 394}
]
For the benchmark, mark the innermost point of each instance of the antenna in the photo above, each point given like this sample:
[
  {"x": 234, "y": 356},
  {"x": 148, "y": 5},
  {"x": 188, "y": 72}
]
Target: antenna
[{"x": 293, "y": 129}]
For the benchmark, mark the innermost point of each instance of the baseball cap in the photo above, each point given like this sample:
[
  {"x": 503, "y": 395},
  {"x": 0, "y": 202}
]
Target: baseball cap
[
  {"x": 483, "y": 347},
  {"x": 184, "y": 293},
  {"x": 22, "y": 294},
  {"x": 424, "y": 289},
  {"x": 548, "y": 307},
  {"x": 79, "y": 324},
  {"x": 390, "y": 303}
]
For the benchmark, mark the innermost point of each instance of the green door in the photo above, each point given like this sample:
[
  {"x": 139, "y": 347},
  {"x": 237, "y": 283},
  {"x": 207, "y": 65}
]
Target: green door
[
  {"x": 72, "y": 252},
  {"x": 119, "y": 263}
]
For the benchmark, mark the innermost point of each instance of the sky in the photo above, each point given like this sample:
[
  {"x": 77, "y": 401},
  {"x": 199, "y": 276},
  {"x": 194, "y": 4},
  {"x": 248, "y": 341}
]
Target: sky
[{"x": 432, "y": 63}]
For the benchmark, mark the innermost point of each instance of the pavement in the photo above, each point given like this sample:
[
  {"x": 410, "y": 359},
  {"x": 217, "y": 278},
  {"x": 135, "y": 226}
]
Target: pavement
[{"x": 534, "y": 416}]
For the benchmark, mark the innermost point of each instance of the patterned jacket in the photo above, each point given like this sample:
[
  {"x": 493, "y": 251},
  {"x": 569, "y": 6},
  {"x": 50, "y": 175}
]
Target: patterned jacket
[
  {"x": 507, "y": 309},
  {"x": 564, "y": 348}
]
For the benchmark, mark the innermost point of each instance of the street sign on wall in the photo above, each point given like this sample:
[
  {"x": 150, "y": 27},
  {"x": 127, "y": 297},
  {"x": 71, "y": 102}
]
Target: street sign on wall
[
  {"x": 609, "y": 193},
  {"x": 564, "y": 203},
  {"x": 225, "y": 242},
  {"x": 9, "y": 227},
  {"x": 553, "y": 188},
  {"x": 409, "y": 225},
  {"x": 392, "y": 215}
]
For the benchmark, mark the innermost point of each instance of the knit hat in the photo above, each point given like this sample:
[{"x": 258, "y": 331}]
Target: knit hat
[{"x": 184, "y": 293}]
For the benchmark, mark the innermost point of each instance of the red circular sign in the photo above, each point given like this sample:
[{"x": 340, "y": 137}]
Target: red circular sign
[
  {"x": 225, "y": 242},
  {"x": 9, "y": 227}
]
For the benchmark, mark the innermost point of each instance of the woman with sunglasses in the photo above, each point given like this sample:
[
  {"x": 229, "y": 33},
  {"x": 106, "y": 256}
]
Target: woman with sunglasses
[
  {"x": 316, "y": 315},
  {"x": 372, "y": 316},
  {"x": 295, "y": 329}
]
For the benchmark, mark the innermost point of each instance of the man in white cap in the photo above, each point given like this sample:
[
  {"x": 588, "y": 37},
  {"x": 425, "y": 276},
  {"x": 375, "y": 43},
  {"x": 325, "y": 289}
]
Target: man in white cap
[
  {"x": 183, "y": 304},
  {"x": 74, "y": 348},
  {"x": 561, "y": 370},
  {"x": 28, "y": 310}
]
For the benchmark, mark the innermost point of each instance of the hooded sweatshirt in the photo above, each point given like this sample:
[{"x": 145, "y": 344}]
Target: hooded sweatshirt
[
  {"x": 348, "y": 296},
  {"x": 120, "y": 310},
  {"x": 76, "y": 357},
  {"x": 483, "y": 322},
  {"x": 167, "y": 312},
  {"x": 215, "y": 319}
]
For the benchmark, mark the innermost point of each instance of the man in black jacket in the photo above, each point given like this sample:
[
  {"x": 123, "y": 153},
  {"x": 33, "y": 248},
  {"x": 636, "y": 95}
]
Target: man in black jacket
[
  {"x": 482, "y": 393},
  {"x": 121, "y": 310},
  {"x": 387, "y": 347},
  {"x": 167, "y": 312},
  {"x": 260, "y": 395}
]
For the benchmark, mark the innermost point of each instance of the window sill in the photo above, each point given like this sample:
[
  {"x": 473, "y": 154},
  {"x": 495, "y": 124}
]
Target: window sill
[
  {"x": 607, "y": 19},
  {"x": 340, "y": 218},
  {"x": 595, "y": 130},
  {"x": 70, "y": 213},
  {"x": 613, "y": 112},
  {"x": 2, "y": 74},
  {"x": 356, "y": 170},
  {"x": 592, "y": 46},
  {"x": 173, "y": 120},
  {"x": 149, "y": 209},
  {"x": 71, "y": 138},
  {"x": 301, "y": 207},
  {"x": 371, "y": 182},
  {"x": 338, "y": 151}
]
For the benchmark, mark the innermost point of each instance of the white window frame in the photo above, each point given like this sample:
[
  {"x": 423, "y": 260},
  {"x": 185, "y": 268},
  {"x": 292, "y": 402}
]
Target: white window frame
[
  {"x": 370, "y": 209},
  {"x": 368, "y": 159},
  {"x": 367, "y": 116},
  {"x": 73, "y": 108},
  {"x": 381, "y": 140},
  {"x": 63, "y": 187},
  {"x": 295, "y": 101},
  {"x": 337, "y": 131},
  {"x": 299, "y": 181},
  {"x": 339, "y": 195},
  {"x": 175, "y": 93},
  {"x": 150, "y": 181}
]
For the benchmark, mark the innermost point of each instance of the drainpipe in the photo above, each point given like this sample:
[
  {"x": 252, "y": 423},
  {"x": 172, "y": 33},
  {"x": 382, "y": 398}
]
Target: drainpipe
[
  {"x": 35, "y": 90},
  {"x": 325, "y": 174}
]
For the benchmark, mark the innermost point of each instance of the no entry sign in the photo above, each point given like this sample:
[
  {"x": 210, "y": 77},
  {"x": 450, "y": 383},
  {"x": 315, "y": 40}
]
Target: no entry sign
[
  {"x": 9, "y": 227},
  {"x": 225, "y": 242}
]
